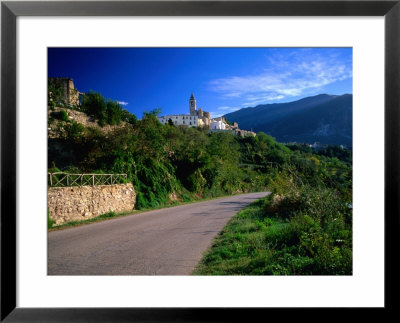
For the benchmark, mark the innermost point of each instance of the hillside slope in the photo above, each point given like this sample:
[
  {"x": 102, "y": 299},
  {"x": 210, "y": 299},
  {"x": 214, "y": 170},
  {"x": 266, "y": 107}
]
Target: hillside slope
[{"x": 323, "y": 118}]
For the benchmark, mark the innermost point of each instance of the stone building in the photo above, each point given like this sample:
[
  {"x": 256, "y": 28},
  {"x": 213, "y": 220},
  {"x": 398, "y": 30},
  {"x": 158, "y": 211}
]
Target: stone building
[
  {"x": 220, "y": 124},
  {"x": 70, "y": 94},
  {"x": 204, "y": 116},
  {"x": 195, "y": 118}
]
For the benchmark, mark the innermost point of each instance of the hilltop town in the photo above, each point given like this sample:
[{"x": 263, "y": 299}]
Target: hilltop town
[
  {"x": 200, "y": 118},
  {"x": 197, "y": 117}
]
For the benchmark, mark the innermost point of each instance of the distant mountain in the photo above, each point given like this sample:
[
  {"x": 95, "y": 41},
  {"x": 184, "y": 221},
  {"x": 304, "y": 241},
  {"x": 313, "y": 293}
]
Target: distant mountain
[{"x": 322, "y": 118}]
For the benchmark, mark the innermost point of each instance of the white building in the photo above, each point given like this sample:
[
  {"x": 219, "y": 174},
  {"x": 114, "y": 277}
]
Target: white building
[
  {"x": 217, "y": 125},
  {"x": 181, "y": 120},
  {"x": 196, "y": 118}
]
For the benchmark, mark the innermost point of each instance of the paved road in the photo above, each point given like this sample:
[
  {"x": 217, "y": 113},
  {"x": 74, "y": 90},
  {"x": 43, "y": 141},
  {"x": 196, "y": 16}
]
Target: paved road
[{"x": 169, "y": 241}]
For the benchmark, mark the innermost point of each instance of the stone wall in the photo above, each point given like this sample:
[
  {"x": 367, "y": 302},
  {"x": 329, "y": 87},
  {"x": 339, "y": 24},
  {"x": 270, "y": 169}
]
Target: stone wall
[{"x": 79, "y": 203}]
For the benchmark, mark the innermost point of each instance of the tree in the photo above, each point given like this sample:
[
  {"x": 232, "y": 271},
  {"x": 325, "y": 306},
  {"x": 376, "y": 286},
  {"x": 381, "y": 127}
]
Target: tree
[
  {"x": 128, "y": 117},
  {"x": 114, "y": 112},
  {"x": 94, "y": 105},
  {"x": 155, "y": 112}
]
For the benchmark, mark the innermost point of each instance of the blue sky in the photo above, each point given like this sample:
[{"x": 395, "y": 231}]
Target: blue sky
[{"x": 222, "y": 79}]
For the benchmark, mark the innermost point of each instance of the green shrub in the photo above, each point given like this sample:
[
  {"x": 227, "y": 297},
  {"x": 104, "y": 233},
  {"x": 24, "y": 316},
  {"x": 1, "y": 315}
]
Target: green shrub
[
  {"x": 54, "y": 169},
  {"x": 94, "y": 104},
  {"x": 186, "y": 198},
  {"x": 52, "y": 105},
  {"x": 61, "y": 115},
  {"x": 141, "y": 202},
  {"x": 114, "y": 112},
  {"x": 128, "y": 117},
  {"x": 74, "y": 130},
  {"x": 50, "y": 222}
]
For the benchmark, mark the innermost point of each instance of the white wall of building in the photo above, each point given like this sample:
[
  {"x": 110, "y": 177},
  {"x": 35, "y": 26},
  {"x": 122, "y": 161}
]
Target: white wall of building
[
  {"x": 219, "y": 125},
  {"x": 181, "y": 120}
]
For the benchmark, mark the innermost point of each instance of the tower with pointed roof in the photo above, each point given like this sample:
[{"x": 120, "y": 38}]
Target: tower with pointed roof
[
  {"x": 196, "y": 118},
  {"x": 192, "y": 104}
]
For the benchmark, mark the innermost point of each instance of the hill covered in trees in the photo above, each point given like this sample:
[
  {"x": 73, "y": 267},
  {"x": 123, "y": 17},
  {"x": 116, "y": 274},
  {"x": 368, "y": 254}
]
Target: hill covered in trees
[
  {"x": 169, "y": 164},
  {"x": 161, "y": 160},
  {"x": 323, "y": 118}
]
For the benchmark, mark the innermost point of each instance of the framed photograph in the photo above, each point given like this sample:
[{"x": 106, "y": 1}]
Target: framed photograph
[{"x": 325, "y": 51}]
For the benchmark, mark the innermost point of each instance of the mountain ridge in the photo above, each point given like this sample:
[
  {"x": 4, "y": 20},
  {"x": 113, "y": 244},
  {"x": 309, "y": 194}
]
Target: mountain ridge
[{"x": 321, "y": 118}]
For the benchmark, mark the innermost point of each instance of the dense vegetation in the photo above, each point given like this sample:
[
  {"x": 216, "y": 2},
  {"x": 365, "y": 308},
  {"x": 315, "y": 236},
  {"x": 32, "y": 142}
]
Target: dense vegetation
[
  {"x": 304, "y": 230},
  {"x": 303, "y": 227}
]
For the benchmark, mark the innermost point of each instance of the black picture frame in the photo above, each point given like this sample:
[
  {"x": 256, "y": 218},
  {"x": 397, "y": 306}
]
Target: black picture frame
[{"x": 10, "y": 10}]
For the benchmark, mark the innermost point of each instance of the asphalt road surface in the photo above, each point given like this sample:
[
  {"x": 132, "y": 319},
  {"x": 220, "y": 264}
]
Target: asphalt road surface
[{"x": 168, "y": 241}]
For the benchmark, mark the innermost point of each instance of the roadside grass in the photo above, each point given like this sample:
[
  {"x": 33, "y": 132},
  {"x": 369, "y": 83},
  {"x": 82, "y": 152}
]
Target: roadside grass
[
  {"x": 50, "y": 222},
  {"x": 292, "y": 238},
  {"x": 112, "y": 215},
  {"x": 102, "y": 217}
]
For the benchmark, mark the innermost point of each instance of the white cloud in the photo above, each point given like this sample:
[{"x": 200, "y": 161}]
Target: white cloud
[
  {"x": 227, "y": 109},
  {"x": 286, "y": 75},
  {"x": 222, "y": 111},
  {"x": 215, "y": 114},
  {"x": 123, "y": 103},
  {"x": 254, "y": 100}
]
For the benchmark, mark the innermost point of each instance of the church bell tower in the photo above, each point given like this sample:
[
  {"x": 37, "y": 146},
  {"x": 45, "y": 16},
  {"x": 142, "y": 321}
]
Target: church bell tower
[{"x": 192, "y": 104}]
